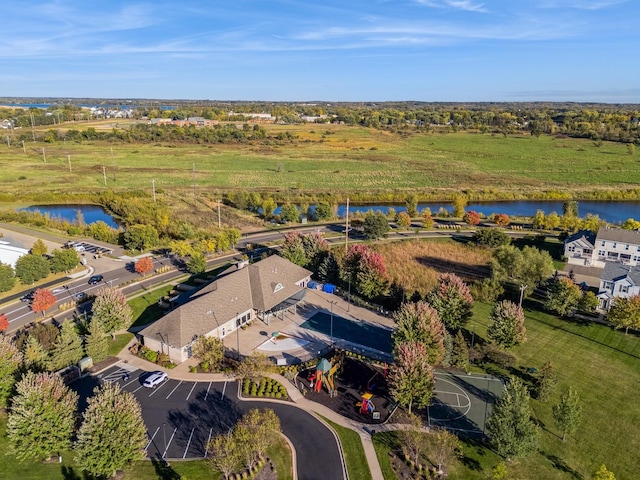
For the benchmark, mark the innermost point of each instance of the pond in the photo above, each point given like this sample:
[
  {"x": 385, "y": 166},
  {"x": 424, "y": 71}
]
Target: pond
[{"x": 90, "y": 213}]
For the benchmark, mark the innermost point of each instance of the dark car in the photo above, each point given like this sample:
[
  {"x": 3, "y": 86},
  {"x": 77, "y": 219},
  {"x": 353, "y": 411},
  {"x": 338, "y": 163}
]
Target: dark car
[
  {"x": 27, "y": 298},
  {"x": 95, "y": 279}
]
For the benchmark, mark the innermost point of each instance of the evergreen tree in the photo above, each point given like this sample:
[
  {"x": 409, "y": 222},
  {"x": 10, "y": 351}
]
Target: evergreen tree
[
  {"x": 97, "y": 343},
  {"x": 460, "y": 352},
  {"x": 10, "y": 361},
  {"x": 567, "y": 413},
  {"x": 42, "y": 417},
  {"x": 68, "y": 347},
  {"x": 546, "y": 383},
  {"x": 510, "y": 427},
  {"x": 35, "y": 356},
  {"x": 452, "y": 300},
  {"x": 112, "y": 433}
]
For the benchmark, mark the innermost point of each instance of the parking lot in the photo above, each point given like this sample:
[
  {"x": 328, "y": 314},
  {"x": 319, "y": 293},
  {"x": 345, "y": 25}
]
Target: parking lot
[
  {"x": 86, "y": 247},
  {"x": 181, "y": 417}
]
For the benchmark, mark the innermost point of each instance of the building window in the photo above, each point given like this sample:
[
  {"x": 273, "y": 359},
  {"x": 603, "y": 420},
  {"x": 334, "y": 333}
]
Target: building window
[
  {"x": 277, "y": 288},
  {"x": 602, "y": 253},
  {"x": 602, "y": 243},
  {"x": 615, "y": 245},
  {"x": 572, "y": 248},
  {"x": 626, "y": 247},
  {"x": 607, "y": 285},
  {"x": 624, "y": 288}
]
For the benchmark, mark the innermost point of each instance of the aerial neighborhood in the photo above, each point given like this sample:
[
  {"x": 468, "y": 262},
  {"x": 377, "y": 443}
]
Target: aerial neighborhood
[{"x": 319, "y": 240}]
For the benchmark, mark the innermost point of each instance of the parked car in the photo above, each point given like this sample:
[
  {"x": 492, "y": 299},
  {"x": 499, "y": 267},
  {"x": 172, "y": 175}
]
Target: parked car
[
  {"x": 156, "y": 378},
  {"x": 95, "y": 279}
]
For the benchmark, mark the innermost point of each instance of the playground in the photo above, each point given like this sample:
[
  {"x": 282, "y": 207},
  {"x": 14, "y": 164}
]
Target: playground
[{"x": 359, "y": 391}]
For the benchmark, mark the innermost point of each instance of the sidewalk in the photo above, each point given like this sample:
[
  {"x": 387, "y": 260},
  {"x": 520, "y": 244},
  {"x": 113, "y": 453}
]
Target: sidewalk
[{"x": 181, "y": 372}]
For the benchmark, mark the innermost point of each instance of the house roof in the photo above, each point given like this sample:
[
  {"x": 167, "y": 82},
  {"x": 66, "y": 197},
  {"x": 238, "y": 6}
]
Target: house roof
[
  {"x": 614, "y": 272},
  {"x": 259, "y": 286},
  {"x": 619, "y": 235},
  {"x": 583, "y": 238}
]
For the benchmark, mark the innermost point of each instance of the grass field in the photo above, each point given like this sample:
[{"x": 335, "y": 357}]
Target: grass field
[
  {"x": 328, "y": 158},
  {"x": 353, "y": 452}
]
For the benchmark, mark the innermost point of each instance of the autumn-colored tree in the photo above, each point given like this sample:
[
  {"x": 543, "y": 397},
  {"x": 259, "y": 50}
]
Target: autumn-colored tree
[
  {"x": 365, "y": 269},
  {"x": 471, "y": 217},
  {"x": 43, "y": 300},
  {"x": 444, "y": 447},
  {"x": 501, "y": 219},
  {"x": 563, "y": 296},
  {"x": 411, "y": 377},
  {"x": 459, "y": 202},
  {"x": 625, "y": 313},
  {"x": 38, "y": 248},
  {"x": 255, "y": 432},
  {"x": 4, "y": 322},
  {"x": 209, "y": 351},
  {"x": 603, "y": 473},
  {"x": 10, "y": 361},
  {"x": 403, "y": 220},
  {"x": 224, "y": 454},
  {"x": 144, "y": 265},
  {"x": 420, "y": 322},
  {"x": 507, "y": 324},
  {"x": 427, "y": 219},
  {"x": 112, "y": 310},
  {"x": 452, "y": 300}
]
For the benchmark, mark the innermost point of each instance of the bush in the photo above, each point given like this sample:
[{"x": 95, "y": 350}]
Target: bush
[
  {"x": 499, "y": 357},
  {"x": 193, "y": 369},
  {"x": 150, "y": 355},
  {"x": 205, "y": 366}
]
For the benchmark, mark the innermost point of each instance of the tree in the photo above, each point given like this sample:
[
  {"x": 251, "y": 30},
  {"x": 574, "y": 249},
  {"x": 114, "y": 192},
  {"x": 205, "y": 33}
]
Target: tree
[
  {"x": 144, "y": 265},
  {"x": 181, "y": 248},
  {"x": 35, "y": 356},
  {"x": 471, "y": 217},
  {"x": 458, "y": 204},
  {"x": 570, "y": 209},
  {"x": 507, "y": 325},
  {"x": 567, "y": 413},
  {"x": 452, "y": 300},
  {"x": 420, "y": 322},
  {"x": 111, "y": 309},
  {"x": 403, "y": 220},
  {"x": 4, "y": 323},
  {"x": 63, "y": 260},
  {"x": 631, "y": 149},
  {"x": 223, "y": 454},
  {"x": 68, "y": 347},
  {"x": 96, "y": 342},
  {"x": 7, "y": 278},
  {"x": 31, "y": 268},
  {"x": 413, "y": 439},
  {"x": 512, "y": 432},
  {"x": 209, "y": 351},
  {"x": 112, "y": 433},
  {"x": 268, "y": 206},
  {"x": 412, "y": 205},
  {"x": 365, "y": 269},
  {"x": 254, "y": 367},
  {"x": 529, "y": 266},
  {"x": 140, "y": 237},
  {"x": 375, "y": 225},
  {"x": 427, "y": 219},
  {"x": 39, "y": 248},
  {"x": 603, "y": 474},
  {"x": 262, "y": 429},
  {"x": 411, "y": 377},
  {"x": 43, "y": 300},
  {"x": 289, "y": 213},
  {"x": 42, "y": 417},
  {"x": 460, "y": 352},
  {"x": 10, "y": 361},
  {"x": 563, "y": 296},
  {"x": 501, "y": 219},
  {"x": 197, "y": 263},
  {"x": 305, "y": 250},
  {"x": 539, "y": 220},
  {"x": 631, "y": 224},
  {"x": 625, "y": 313},
  {"x": 324, "y": 212},
  {"x": 444, "y": 447},
  {"x": 546, "y": 382},
  {"x": 588, "y": 302},
  {"x": 490, "y": 237},
  {"x": 329, "y": 269}
]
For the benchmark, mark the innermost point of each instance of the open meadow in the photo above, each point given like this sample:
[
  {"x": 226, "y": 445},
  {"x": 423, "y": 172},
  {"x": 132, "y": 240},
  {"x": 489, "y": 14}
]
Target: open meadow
[{"x": 329, "y": 158}]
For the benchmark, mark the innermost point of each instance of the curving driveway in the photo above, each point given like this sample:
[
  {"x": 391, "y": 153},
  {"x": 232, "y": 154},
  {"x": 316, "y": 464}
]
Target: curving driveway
[{"x": 181, "y": 416}]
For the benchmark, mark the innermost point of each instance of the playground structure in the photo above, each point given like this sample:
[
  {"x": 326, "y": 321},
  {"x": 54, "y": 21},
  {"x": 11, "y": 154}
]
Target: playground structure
[
  {"x": 366, "y": 404},
  {"x": 325, "y": 374}
]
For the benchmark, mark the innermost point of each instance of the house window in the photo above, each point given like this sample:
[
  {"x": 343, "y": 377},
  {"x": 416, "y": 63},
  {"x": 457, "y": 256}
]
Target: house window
[
  {"x": 602, "y": 243},
  {"x": 277, "y": 288},
  {"x": 626, "y": 247},
  {"x": 572, "y": 248},
  {"x": 602, "y": 253},
  {"x": 615, "y": 245},
  {"x": 607, "y": 285},
  {"x": 624, "y": 288}
]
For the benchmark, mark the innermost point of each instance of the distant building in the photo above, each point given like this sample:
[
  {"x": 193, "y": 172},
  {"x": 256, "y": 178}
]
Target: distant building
[
  {"x": 618, "y": 281},
  {"x": 608, "y": 245},
  {"x": 9, "y": 254}
]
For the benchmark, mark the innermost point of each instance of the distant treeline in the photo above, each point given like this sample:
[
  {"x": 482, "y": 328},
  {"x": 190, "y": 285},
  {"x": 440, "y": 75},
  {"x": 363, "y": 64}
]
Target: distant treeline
[{"x": 599, "y": 122}]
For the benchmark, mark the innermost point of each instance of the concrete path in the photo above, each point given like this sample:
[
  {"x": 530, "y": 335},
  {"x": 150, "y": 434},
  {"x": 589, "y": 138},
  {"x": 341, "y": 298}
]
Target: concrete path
[{"x": 181, "y": 372}]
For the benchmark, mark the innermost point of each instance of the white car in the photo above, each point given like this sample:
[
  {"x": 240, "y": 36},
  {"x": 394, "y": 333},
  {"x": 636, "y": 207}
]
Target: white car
[{"x": 155, "y": 379}]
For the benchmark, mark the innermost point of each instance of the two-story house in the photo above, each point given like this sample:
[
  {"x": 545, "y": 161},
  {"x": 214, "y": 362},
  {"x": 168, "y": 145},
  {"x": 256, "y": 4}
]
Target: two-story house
[
  {"x": 617, "y": 281},
  {"x": 608, "y": 245}
]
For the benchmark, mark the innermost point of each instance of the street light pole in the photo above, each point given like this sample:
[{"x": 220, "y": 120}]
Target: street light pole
[{"x": 218, "y": 213}]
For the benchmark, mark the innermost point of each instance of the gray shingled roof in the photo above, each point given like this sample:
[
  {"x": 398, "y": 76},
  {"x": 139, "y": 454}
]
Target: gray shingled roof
[
  {"x": 587, "y": 235},
  {"x": 619, "y": 235},
  {"x": 251, "y": 287},
  {"x": 614, "y": 271}
]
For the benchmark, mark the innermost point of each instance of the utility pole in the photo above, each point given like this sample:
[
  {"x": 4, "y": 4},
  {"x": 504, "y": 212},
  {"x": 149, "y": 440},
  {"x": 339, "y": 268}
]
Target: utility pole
[
  {"x": 346, "y": 230},
  {"x": 44, "y": 156},
  {"x": 218, "y": 213},
  {"x": 153, "y": 185},
  {"x": 193, "y": 175},
  {"x": 113, "y": 164},
  {"x": 33, "y": 132},
  {"x": 68, "y": 159},
  {"x": 104, "y": 175},
  {"x": 24, "y": 149}
]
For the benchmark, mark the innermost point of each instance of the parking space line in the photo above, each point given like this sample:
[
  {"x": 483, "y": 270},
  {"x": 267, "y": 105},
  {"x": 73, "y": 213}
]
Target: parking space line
[
  {"x": 207, "y": 394},
  {"x": 188, "y": 443},
  {"x": 173, "y": 390},
  {"x": 137, "y": 389},
  {"x": 170, "y": 440},
  {"x": 192, "y": 388},
  {"x": 132, "y": 381},
  {"x": 208, "y": 440},
  {"x": 151, "y": 439},
  {"x": 223, "y": 390},
  {"x": 157, "y": 389}
]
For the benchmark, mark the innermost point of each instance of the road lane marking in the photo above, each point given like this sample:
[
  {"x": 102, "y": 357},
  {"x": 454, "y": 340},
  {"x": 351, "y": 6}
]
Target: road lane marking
[
  {"x": 192, "y": 388},
  {"x": 169, "y": 444},
  {"x": 208, "y": 440},
  {"x": 151, "y": 439},
  {"x": 173, "y": 390},
  {"x": 188, "y": 443},
  {"x": 223, "y": 390},
  {"x": 207, "y": 394}
]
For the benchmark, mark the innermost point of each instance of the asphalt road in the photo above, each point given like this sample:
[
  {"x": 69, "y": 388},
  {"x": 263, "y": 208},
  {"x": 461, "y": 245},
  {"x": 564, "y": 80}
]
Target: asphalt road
[{"x": 182, "y": 416}]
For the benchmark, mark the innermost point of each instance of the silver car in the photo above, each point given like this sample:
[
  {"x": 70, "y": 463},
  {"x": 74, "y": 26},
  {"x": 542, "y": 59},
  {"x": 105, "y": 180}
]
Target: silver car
[{"x": 155, "y": 379}]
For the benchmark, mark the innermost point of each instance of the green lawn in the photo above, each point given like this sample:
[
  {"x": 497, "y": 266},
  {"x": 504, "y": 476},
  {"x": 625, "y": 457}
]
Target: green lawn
[
  {"x": 357, "y": 159},
  {"x": 115, "y": 346},
  {"x": 145, "y": 307},
  {"x": 354, "y": 455}
]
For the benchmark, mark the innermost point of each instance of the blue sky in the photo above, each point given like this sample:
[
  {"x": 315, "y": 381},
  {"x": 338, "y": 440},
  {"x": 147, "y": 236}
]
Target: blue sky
[{"x": 333, "y": 50}]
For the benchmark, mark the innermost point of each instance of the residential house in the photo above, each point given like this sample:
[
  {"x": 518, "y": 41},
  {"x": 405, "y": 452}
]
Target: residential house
[
  {"x": 262, "y": 291},
  {"x": 617, "y": 281},
  {"x": 609, "y": 245}
]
